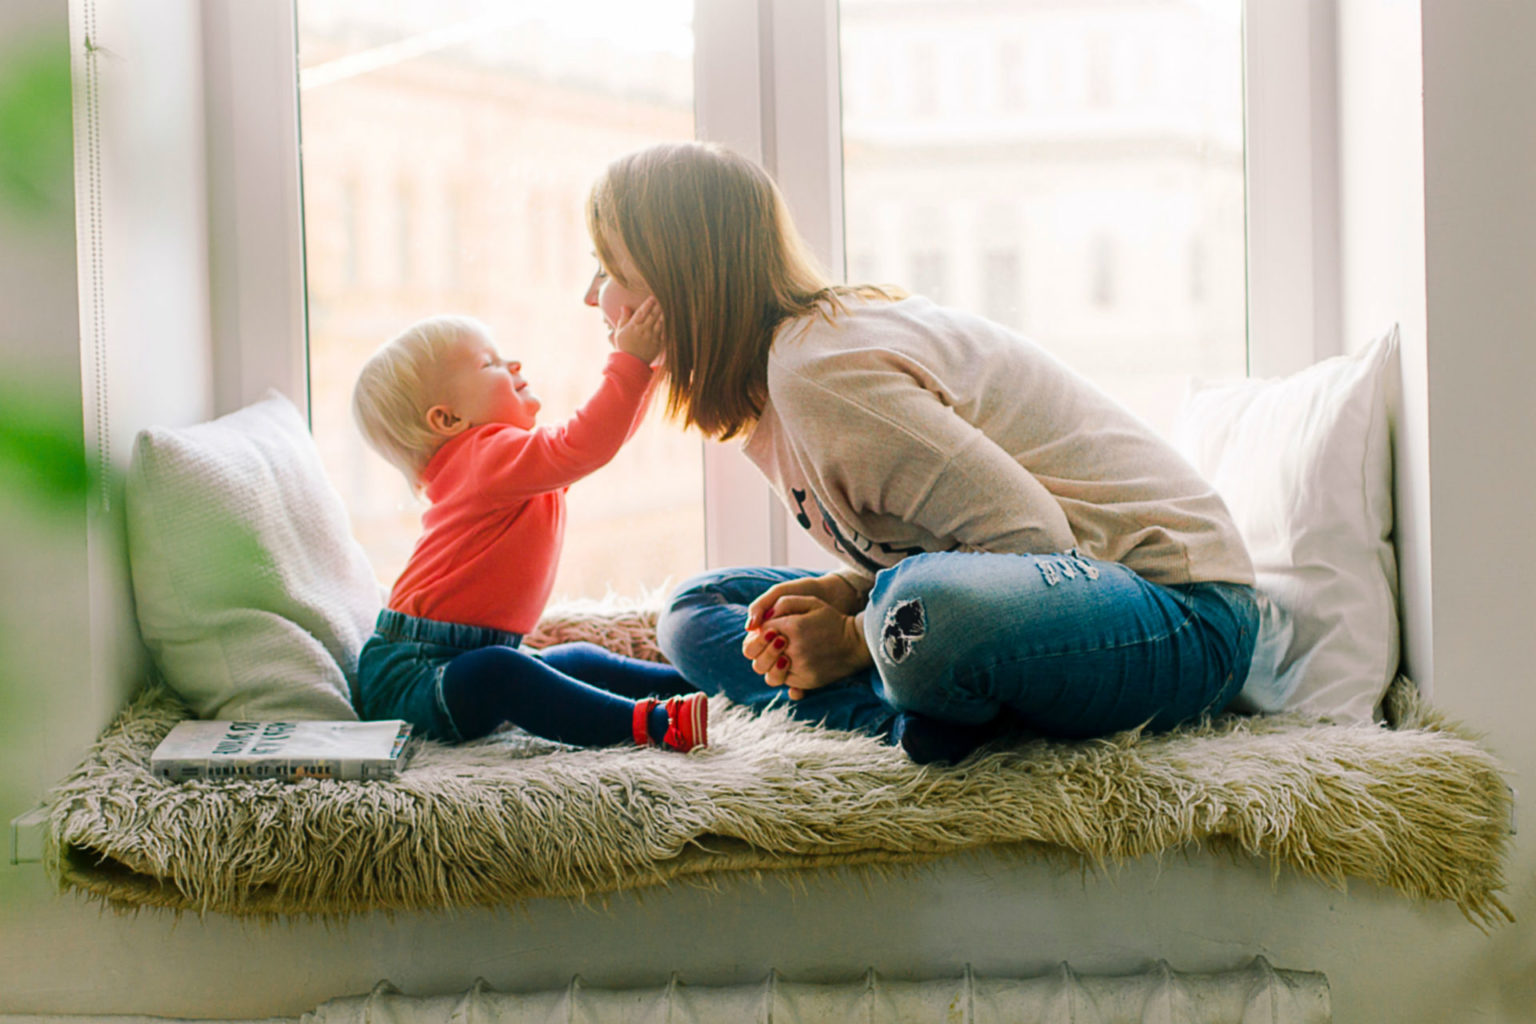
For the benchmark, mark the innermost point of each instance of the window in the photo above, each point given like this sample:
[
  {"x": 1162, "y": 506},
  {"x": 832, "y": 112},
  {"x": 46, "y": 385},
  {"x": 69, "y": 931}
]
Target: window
[
  {"x": 447, "y": 154},
  {"x": 766, "y": 80}
]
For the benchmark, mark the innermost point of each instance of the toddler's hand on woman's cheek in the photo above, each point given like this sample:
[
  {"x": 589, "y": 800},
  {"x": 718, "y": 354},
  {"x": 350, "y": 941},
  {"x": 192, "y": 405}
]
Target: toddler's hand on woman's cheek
[{"x": 640, "y": 332}]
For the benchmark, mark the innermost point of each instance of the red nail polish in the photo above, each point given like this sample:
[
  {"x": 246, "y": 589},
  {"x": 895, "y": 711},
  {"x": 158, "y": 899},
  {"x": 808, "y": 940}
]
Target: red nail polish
[
  {"x": 779, "y": 642},
  {"x": 783, "y": 662},
  {"x": 772, "y": 638}
]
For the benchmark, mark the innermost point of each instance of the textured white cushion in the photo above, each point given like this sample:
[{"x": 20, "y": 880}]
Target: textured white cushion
[
  {"x": 1305, "y": 464},
  {"x": 252, "y": 595}
]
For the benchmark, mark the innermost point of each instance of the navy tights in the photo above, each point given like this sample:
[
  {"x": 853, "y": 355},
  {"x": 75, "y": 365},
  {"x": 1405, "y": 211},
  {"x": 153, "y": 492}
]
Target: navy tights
[{"x": 574, "y": 693}]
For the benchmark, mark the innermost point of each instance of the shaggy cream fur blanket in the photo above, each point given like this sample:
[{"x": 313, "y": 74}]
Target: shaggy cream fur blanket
[{"x": 1420, "y": 807}]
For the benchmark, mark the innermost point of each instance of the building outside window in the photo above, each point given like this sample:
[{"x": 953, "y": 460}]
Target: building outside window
[{"x": 1119, "y": 139}]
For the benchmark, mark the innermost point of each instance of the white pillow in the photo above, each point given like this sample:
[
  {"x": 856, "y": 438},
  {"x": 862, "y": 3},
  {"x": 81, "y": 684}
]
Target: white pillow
[
  {"x": 1305, "y": 464},
  {"x": 252, "y": 595}
]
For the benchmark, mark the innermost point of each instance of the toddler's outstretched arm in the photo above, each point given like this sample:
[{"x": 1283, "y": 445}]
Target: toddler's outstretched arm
[{"x": 515, "y": 464}]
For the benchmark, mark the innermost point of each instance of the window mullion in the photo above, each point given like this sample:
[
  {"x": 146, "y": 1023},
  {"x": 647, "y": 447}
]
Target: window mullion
[
  {"x": 807, "y": 124},
  {"x": 806, "y": 154},
  {"x": 733, "y": 97},
  {"x": 1291, "y": 172},
  {"x": 255, "y": 223}
]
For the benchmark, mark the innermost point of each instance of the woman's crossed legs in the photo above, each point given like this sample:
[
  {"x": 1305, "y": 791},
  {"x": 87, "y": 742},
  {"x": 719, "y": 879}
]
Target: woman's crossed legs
[{"x": 1061, "y": 644}]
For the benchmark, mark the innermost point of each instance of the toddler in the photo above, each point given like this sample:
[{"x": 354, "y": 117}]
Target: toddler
[{"x": 441, "y": 404}]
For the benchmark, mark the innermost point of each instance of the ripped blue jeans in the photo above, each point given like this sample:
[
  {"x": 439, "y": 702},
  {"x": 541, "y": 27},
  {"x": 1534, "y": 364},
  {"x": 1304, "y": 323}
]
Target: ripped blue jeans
[{"x": 1066, "y": 645}]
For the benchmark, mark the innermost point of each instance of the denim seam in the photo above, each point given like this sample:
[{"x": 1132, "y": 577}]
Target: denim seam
[
  {"x": 442, "y": 703},
  {"x": 718, "y": 589},
  {"x": 1242, "y": 635},
  {"x": 1188, "y": 618},
  {"x": 1011, "y": 662}
]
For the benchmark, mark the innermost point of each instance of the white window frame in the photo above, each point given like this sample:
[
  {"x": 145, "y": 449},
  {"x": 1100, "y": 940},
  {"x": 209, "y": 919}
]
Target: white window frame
[
  {"x": 1291, "y": 157},
  {"x": 255, "y": 203},
  {"x": 766, "y": 83}
]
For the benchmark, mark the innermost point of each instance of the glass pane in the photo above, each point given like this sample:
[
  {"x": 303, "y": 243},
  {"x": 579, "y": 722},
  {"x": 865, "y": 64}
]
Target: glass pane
[
  {"x": 1074, "y": 171},
  {"x": 447, "y": 152}
]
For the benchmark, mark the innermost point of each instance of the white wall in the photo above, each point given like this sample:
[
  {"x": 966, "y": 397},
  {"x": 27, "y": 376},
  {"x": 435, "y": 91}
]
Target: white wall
[
  {"x": 1480, "y": 261},
  {"x": 1466, "y": 421},
  {"x": 1438, "y": 160}
]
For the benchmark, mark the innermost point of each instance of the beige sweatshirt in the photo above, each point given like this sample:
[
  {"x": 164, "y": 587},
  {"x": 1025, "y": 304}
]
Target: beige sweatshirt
[{"x": 905, "y": 427}]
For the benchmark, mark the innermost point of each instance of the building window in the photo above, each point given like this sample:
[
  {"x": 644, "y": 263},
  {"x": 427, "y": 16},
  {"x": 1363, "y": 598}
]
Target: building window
[
  {"x": 1100, "y": 69},
  {"x": 346, "y": 216},
  {"x": 406, "y": 216},
  {"x": 925, "y": 80},
  {"x": 453, "y": 238},
  {"x": 929, "y": 270},
  {"x": 1103, "y": 269},
  {"x": 1198, "y": 286},
  {"x": 1012, "y": 76},
  {"x": 1002, "y": 287},
  {"x": 863, "y": 268}
]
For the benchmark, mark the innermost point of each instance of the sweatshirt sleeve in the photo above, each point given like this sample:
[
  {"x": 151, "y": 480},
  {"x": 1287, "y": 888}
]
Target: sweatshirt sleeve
[
  {"x": 515, "y": 464},
  {"x": 893, "y": 447}
]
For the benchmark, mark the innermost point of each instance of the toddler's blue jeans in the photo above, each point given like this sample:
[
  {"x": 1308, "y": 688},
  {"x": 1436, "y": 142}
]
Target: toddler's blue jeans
[
  {"x": 458, "y": 682},
  {"x": 1066, "y": 645}
]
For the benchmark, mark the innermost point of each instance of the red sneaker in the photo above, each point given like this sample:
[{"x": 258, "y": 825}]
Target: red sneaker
[
  {"x": 687, "y": 722},
  {"x": 642, "y": 721}
]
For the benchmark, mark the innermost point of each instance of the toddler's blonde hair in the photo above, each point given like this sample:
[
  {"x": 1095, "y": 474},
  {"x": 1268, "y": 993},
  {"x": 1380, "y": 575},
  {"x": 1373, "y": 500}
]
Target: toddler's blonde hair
[{"x": 398, "y": 384}]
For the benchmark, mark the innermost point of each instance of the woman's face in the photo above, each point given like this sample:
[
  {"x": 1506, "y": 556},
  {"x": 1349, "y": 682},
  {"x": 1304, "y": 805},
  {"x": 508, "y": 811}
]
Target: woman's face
[{"x": 616, "y": 300}]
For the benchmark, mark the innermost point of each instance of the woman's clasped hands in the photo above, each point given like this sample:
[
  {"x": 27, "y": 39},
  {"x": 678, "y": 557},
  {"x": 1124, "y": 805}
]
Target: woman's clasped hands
[{"x": 803, "y": 634}]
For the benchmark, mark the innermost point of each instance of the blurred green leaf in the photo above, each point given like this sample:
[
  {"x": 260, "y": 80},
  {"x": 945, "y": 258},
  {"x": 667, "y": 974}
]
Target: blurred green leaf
[
  {"x": 42, "y": 447},
  {"x": 36, "y": 130}
]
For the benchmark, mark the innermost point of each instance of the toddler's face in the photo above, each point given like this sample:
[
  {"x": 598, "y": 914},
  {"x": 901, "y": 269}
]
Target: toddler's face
[{"x": 481, "y": 387}]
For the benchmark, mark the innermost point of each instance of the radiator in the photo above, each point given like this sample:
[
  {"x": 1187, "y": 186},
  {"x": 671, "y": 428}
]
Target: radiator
[{"x": 1256, "y": 994}]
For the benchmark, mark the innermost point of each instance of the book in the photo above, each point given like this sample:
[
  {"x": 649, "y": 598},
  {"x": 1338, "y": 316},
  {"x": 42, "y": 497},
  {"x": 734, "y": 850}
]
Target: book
[{"x": 288, "y": 751}]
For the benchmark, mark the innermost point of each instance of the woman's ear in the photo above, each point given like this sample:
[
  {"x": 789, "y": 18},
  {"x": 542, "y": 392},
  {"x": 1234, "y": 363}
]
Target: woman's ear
[{"x": 442, "y": 420}]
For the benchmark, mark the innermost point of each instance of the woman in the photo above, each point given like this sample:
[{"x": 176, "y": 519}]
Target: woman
[{"x": 1019, "y": 550}]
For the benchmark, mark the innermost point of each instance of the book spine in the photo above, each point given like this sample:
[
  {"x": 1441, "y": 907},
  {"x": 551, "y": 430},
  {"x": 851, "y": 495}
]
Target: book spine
[
  {"x": 179, "y": 771},
  {"x": 291, "y": 770},
  {"x": 368, "y": 771}
]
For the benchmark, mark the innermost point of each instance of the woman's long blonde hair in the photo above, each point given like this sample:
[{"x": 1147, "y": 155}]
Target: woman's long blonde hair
[{"x": 711, "y": 235}]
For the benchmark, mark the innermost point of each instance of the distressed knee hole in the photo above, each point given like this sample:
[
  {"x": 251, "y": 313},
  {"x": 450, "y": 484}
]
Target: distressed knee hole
[
  {"x": 904, "y": 625},
  {"x": 1066, "y": 566}
]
